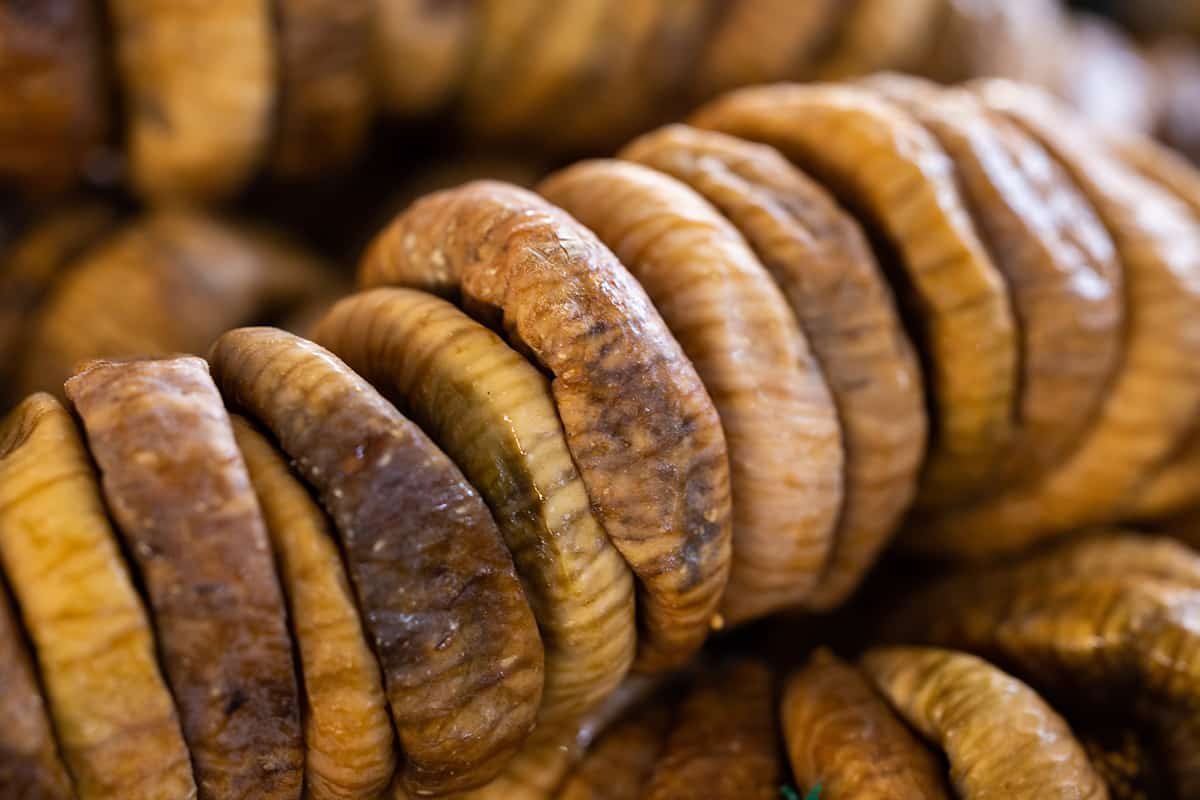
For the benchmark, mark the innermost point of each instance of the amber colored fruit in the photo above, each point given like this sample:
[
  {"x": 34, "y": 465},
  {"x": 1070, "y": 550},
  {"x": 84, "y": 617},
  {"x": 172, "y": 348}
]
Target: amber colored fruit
[
  {"x": 722, "y": 743},
  {"x": 177, "y": 487},
  {"x": 54, "y": 111},
  {"x": 1060, "y": 264},
  {"x": 842, "y": 736},
  {"x": 880, "y": 34},
  {"x": 456, "y": 641},
  {"x": 325, "y": 97},
  {"x": 114, "y": 717},
  {"x": 198, "y": 84},
  {"x": 420, "y": 52},
  {"x": 639, "y": 423},
  {"x": 29, "y": 763},
  {"x": 620, "y": 763},
  {"x": 349, "y": 746},
  {"x": 1001, "y": 739},
  {"x": 1153, "y": 398},
  {"x": 493, "y": 414},
  {"x": 785, "y": 450},
  {"x": 821, "y": 260},
  {"x": 891, "y": 172}
]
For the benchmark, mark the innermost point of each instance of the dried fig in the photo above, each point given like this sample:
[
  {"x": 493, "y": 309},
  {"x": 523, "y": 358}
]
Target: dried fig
[
  {"x": 843, "y": 737},
  {"x": 30, "y": 767},
  {"x": 722, "y": 743},
  {"x": 492, "y": 412},
  {"x": 892, "y": 171},
  {"x": 880, "y": 34},
  {"x": 734, "y": 324},
  {"x": 54, "y": 114},
  {"x": 1152, "y": 399},
  {"x": 198, "y": 125},
  {"x": 325, "y": 100},
  {"x": 1060, "y": 264},
  {"x": 620, "y": 763},
  {"x": 113, "y": 714},
  {"x": 1002, "y": 740},
  {"x": 458, "y": 646},
  {"x": 178, "y": 489},
  {"x": 347, "y": 730},
  {"x": 820, "y": 258},
  {"x": 420, "y": 51},
  {"x": 640, "y": 425}
]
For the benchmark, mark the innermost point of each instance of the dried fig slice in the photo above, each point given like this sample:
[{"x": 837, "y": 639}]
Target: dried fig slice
[
  {"x": 891, "y": 171},
  {"x": 640, "y": 425},
  {"x": 347, "y": 730},
  {"x": 113, "y": 714},
  {"x": 1001, "y": 739},
  {"x": 325, "y": 99},
  {"x": 30, "y": 766},
  {"x": 168, "y": 283},
  {"x": 420, "y": 51},
  {"x": 880, "y": 34},
  {"x": 198, "y": 126},
  {"x": 734, "y": 324},
  {"x": 492, "y": 412},
  {"x": 458, "y": 646},
  {"x": 722, "y": 743},
  {"x": 178, "y": 489},
  {"x": 843, "y": 737},
  {"x": 1060, "y": 264},
  {"x": 1153, "y": 398},
  {"x": 620, "y": 764},
  {"x": 820, "y": 258},
  {"x": 54, "y": 110}
]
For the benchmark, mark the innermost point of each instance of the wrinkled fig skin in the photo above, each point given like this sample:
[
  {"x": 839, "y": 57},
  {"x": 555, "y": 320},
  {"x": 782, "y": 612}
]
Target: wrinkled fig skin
[
  {"x": 639, "y": 423},
  {"x": 785, "y": 450},
  {"x": 1002, "y": 740},
  {"x": 198, "y": 80},
  {"x": 177, "y": 488},
  {"x": 893, "y": 174},
  {"x": 723, "y": 741},
  {"x": 620, "y": 764},
  {"x": 325, "y": 102},
  {"x": 30, "y": 767},
  {"x": 1058, "y": 260},
  {"x": 1153, "y": 398},
  {"x": 492, "y": 412},
  {"x": 841, "y": 735},
  {"x": 114, "y": 717},
  {"x": 349, "y": 745},
  {"x": 54, "y": 109},
  {"x": 821, "y": 260},
  {"x": 458, "y": 645}
]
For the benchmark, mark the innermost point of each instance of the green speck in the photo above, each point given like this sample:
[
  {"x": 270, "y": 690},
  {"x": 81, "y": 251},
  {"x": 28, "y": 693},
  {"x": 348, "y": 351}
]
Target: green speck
[
  {"x": 788, "y": 793},
  {"x": 815, "y": 793}
]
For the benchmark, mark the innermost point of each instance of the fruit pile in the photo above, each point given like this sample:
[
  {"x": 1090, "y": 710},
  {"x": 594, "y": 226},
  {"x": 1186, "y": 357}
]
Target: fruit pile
[{"x": 462, "y": 539}]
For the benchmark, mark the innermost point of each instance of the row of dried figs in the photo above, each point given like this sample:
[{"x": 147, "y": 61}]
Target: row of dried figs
[
  {"x": 558, "y": 438},
  {"x": 213, "y": 93}
]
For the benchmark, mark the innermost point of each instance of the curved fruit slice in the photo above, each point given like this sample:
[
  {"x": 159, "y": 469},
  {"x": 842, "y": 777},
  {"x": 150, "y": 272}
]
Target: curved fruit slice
[
  {"x": 881, "y": 34},
  {"x": 461, "y": 658},
  {"x": 198, "y": 125},
  {"x": 722, "y": 744},
  {"x": 492, "y": 412},
  {"x": 620, "y": 764},
  {"x": 188, "y": 276},
  {"x": 1060, "y": 264},
  {"x": 420, "y": 52},
  {"x": 640, "y": 425},
  {"x": 29, "y": 763},
  {"x": 325, "y": 101},
  {"x": 54, "y": 108},
  {"x": 178, "y": 489},
  {"x": 843, "y": 737},
  {"x": 347, "y": 731},
  {"x": 820, "y": 258},
  {"x": 888, "y": 168},
  {"x": 1002, "y": 740},
  {"x": 732, "y": 321},
  {"x": 1153, "y": 398},
  {"x": 113, "y": 714}
]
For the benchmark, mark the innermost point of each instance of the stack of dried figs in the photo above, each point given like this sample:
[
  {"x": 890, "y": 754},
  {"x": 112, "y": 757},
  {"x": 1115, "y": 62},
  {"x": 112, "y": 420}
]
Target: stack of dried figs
[
  {"x": 469, "y": 539},
  {"x": 211, "y": 95}
]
